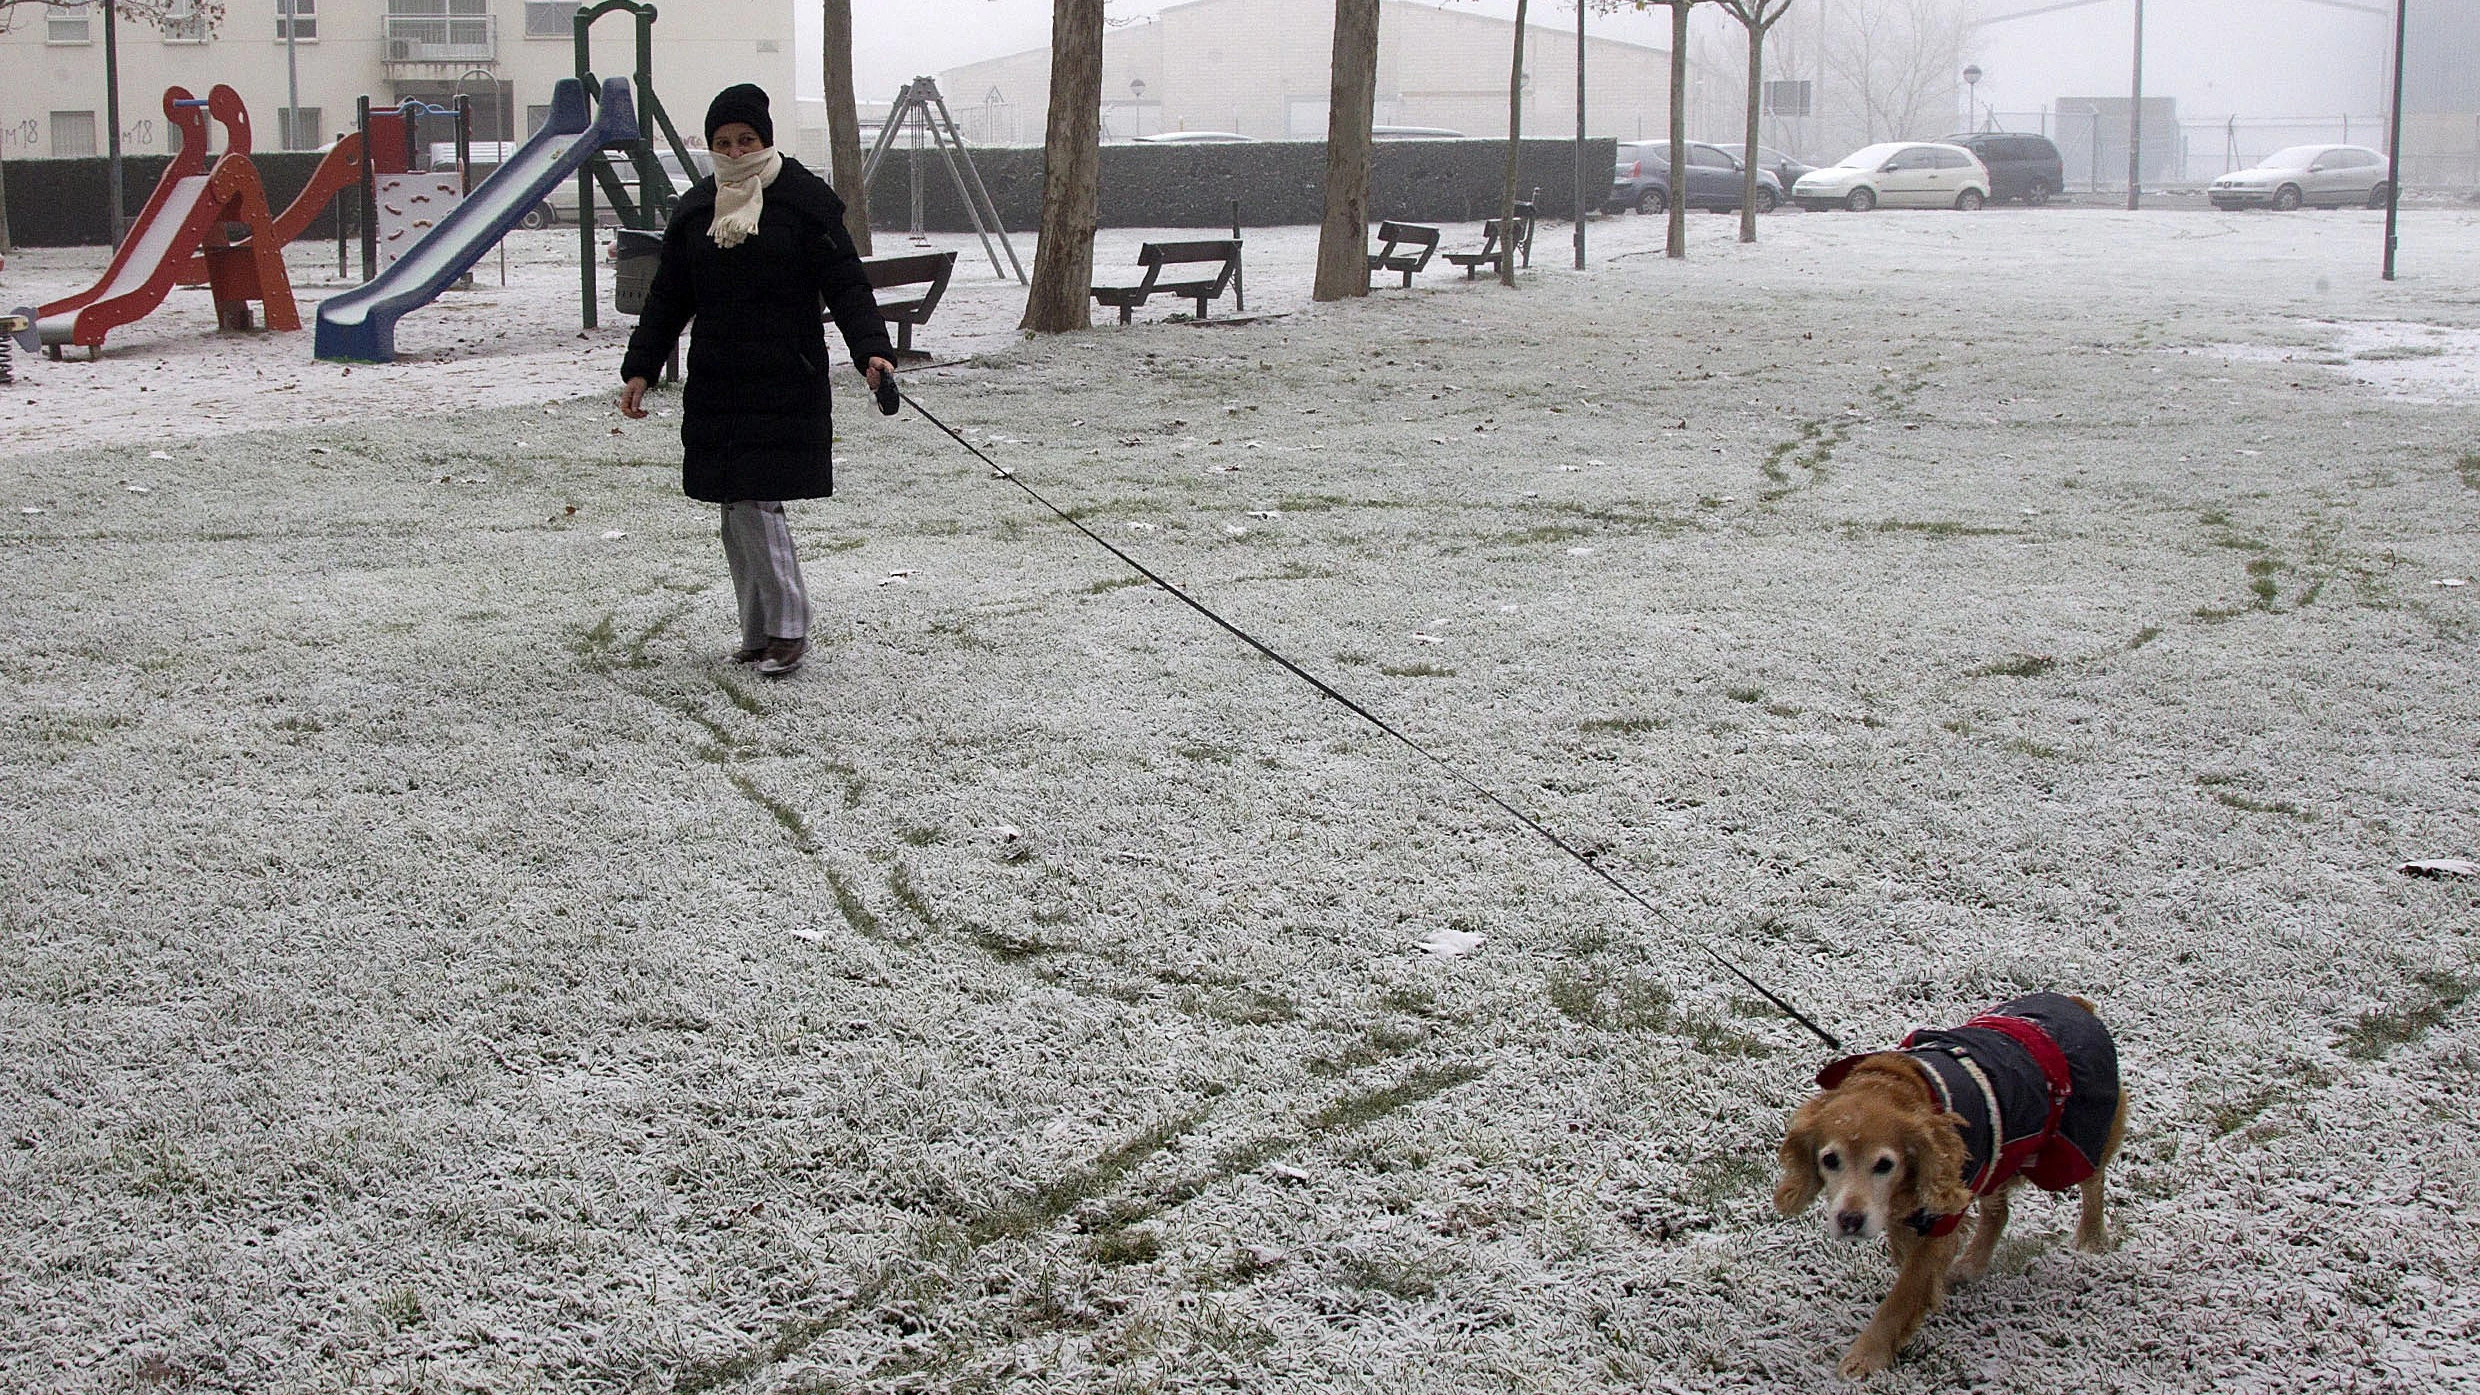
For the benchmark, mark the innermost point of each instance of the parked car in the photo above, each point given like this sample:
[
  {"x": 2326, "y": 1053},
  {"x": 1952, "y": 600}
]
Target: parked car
[
  {"x": 1783, "y": 166},
  {"x": 2020, "y": 166},
  {"x": 2328, "y": 176},
  {"x": 1897, "y": 174},
  {"x": 561, "y": 207},
  {"x": 1195, "y": 138},
  {"x": 1414, "y": 133},
  {"x": 1642, "y": 180}
]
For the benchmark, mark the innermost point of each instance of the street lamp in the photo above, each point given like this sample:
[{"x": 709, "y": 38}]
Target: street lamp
[
  {"x": 1136, "y": 116},
  {"x": 1971, "y": 97}
]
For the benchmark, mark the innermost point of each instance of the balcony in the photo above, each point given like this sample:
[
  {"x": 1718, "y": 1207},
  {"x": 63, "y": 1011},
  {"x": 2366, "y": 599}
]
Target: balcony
[{"x": 448, "y": 40}]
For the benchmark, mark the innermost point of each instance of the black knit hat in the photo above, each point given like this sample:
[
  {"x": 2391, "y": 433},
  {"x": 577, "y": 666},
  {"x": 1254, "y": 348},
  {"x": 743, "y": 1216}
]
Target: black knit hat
[{"x": 746, "y": 102}]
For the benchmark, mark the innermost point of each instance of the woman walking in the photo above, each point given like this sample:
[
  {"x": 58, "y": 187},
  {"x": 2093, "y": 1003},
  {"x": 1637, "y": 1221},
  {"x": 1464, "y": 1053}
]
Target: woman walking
[{"x": 751, "y": 253}]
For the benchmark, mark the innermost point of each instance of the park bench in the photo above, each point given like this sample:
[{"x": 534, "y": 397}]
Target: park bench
[
  {"x": 1494, "y": 249},
  {"x": 908, "y": 286},
  {"x": 1416, "y": 242},
  {"x": 1156, "y": 256}
]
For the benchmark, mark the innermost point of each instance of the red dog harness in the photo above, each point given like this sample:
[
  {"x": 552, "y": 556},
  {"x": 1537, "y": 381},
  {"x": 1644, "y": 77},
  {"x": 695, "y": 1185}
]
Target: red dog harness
[{"x": 2035, "y": 1082}]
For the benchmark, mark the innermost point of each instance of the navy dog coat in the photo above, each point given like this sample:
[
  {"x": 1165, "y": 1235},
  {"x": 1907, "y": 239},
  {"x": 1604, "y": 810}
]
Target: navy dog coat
[{"x": 2036, "y": 1083}]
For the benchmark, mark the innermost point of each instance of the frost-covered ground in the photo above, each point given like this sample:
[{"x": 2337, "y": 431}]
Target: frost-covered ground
[{"x": 424, "y": 966}]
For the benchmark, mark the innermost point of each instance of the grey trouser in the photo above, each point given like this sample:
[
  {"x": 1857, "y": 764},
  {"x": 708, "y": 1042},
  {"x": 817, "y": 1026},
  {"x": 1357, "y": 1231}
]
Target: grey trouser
[{"x": 766, "y": 573}]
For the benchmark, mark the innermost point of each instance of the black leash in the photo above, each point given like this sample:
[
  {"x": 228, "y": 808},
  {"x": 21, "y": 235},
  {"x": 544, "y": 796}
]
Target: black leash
[{"x": 889, "y": 393}]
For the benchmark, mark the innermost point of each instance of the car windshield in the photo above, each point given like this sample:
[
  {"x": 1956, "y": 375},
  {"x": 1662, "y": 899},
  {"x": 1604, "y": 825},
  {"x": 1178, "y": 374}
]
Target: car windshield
[
  {"x": 1867, "y": 157},
  {"x": 2297, "y": 157}
]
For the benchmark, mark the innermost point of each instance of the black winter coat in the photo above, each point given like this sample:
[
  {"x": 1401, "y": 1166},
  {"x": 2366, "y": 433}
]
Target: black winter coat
[{"x": 755, "y": 411}]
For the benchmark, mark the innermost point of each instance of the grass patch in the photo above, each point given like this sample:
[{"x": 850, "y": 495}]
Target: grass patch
[
  {"x": 2393, "y": 353},
  {"x": 1744, "y": 694},
  {"x": 1619, "y": 726},
  {"x": 2469, "y": 468},
  {"x": 796, "y": 827},
  {"x": 1129, "y": 1245},
  {"x": 2252, "y": 805},
  {"x": 1010, "y": 947},
  {"x": 1609, "y": 1002},
  {"x": 1112, "y": 583},
  {"x": 900, "y": 886},
  {"x": 2144, "y": 637},
  {"x": 2015, "y": 666},
  {"x": 739, "y": 696},
  {"x": 1421, "y": 668},
  {"x": 2380, "y": 1031},
  {"x": 1205, "y": 751},
  {"x": 1941, "y": 528},
  {"x": 2036, "y": 749},
  {"x": 1546, "y": 533}
]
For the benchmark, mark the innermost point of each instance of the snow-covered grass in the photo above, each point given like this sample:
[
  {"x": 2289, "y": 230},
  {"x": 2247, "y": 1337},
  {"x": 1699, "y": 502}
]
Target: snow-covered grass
[{"x": 425, "y": 966}]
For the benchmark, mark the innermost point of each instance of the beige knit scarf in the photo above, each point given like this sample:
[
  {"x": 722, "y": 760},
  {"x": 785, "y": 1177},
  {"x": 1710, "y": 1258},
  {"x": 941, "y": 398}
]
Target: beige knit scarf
[{"x": 739, "y": 180}]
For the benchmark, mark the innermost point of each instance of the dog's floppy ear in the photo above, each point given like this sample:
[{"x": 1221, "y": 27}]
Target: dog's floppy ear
[
  {"x": 1933, "y": 1152},
  {"x": 1800, "y": 1182}
]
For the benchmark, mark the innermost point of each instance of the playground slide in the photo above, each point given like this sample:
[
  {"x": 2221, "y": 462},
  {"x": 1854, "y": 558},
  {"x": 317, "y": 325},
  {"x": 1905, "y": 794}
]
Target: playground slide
[
  {"x": 149, "y": 262},
  {"x": 360, "y": 324}
]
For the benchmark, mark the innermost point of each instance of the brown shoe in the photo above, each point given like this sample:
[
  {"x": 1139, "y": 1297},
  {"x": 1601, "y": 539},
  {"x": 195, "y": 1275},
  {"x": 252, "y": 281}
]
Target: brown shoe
[
  {"x": 783, "y": 656},
  {"x": 749, "y": 653}
]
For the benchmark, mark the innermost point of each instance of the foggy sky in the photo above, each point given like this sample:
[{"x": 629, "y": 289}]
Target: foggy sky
[{"x": 2217, "y": 57}]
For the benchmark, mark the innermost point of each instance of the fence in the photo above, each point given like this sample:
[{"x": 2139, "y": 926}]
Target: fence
[{"x": 2093, "y": 144}]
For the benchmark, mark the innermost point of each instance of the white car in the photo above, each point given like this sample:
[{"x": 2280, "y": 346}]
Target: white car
[
  {"x": 1897, "y": 174},
  {"x": 2327, "y": 176},
  {"x": 1195, "y": 138}
]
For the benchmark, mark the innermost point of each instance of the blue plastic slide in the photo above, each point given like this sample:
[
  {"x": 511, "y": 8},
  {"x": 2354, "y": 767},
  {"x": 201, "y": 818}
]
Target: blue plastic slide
[{"x": 359, "y": 326}]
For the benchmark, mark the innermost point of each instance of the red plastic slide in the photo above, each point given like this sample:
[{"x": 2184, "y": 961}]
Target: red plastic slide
[{"x": 181, "y": 226}]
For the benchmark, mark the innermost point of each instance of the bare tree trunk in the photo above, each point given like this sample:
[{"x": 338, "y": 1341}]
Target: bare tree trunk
[
  {"x": 1677, "y": 245},
  {"x": 1352, "y": 96},
  {"x": 1063, "y": 262},
  {"x": 1515, "y": 142},
  {"x": 844, "y": 126},
  {"x": 1757, "y": 25},
  {"x": 7, "y": 244}
]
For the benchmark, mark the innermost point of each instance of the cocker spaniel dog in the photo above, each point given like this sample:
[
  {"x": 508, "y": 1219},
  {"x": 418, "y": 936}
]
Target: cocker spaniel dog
[{"x": 1901, "y": 1143}]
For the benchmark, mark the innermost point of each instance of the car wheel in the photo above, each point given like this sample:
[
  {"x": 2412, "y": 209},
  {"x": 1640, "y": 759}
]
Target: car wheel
[
  {"x": 1766, "y": 202},
  {"x": 2036, "y": 194},
  {"x": 536, "y": 218},
  {"x": 1861, "y": 200},
  {"x": 1969, "y": 201},
  {"x": 2287, "y": 199},
  {"x": 2376, "y": 196},
  {"x": 1652, "y": 202}
]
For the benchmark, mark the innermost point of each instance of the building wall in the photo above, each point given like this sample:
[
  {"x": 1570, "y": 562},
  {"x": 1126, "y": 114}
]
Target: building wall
[
  {"x": 1261, "y": 68},
  {"x": 697, "y": 51}
]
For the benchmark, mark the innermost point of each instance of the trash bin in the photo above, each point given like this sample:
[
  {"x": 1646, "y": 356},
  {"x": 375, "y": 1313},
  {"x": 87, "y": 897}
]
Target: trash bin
[{"x": 635, "y": 253}]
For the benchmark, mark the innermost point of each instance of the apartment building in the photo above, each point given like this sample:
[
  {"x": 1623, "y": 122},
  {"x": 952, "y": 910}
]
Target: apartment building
[
  {"x": 1262, "y": 68},
  {"x": 505, "y": 54}
]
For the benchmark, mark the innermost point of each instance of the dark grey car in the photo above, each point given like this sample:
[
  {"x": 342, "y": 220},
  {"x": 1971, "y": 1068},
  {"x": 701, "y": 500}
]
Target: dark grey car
[
  {"x": 1642, "y": 180},
  {"x": 2020, "y": 166}
]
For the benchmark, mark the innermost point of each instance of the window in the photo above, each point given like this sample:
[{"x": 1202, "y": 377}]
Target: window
[
  {"x": 73, "y": 133},
  {"x": 300, "y": 18},
  {"x": 63, "y": 25},
  {"x": 1953, "y": 160},
  {"x": 298, "y": 127},
  {"x": 182, "y": 22},
  {"x": 550, "y": 19},
  {"x": 1794, "y": 98},
  {"x": 1706, "y": 157}
]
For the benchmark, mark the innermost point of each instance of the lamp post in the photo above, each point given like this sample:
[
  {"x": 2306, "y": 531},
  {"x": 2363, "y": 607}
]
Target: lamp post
[
  {"x": 2135, "y": 122},
  {"x": 1580, "y": 135},
  {"x": 2393, "y": 145},
  {"x": 112, "y": 111},
  {"x": 289, "y": 10},
  {"x": 1136, "y": 112},
  {"x": 1971, "y": 97}
]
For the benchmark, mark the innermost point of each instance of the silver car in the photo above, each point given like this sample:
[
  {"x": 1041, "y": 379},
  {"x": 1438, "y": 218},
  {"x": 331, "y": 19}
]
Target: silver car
[{"x": 2327, "y": 176}]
